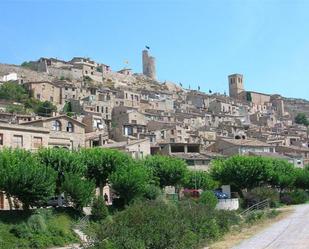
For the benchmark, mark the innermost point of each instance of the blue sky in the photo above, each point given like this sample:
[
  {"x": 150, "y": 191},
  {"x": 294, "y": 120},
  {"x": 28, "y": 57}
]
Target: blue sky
[{"x": 194, "y": 42}]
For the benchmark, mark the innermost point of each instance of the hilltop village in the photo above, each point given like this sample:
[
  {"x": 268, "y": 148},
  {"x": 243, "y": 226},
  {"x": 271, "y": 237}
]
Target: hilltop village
[{"x": 87, "y": 104}]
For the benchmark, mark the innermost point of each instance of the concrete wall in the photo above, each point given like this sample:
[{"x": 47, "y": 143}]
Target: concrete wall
[{"x": 228, "y": 204}]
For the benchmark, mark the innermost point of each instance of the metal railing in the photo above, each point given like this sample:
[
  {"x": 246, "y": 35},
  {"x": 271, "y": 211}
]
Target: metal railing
[{"x": 258, "y": 206}]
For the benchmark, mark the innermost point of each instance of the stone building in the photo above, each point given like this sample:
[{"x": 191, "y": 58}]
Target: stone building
[
  {"x": 231, "y": 147},
  {"x": 127, "y": 98},
  {"x": 127, "y": 123},
  {"x": 96, "y": 130},
  {"x": 138, "y": 149},
  {"x": 149, "y": 65},
  {"x": 65, "y": 132},
  {"x": 236, "y": 85},
  {"x": 45, "y": 91},
  {"x": 22, "y": 136}
]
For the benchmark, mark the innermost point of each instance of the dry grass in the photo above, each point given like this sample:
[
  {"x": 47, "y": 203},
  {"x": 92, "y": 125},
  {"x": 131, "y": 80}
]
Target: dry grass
[{"x": 235, "y": 237}]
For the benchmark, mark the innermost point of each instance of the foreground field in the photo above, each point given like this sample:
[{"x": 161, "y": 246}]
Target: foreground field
[{"x": 39, "y": 229}]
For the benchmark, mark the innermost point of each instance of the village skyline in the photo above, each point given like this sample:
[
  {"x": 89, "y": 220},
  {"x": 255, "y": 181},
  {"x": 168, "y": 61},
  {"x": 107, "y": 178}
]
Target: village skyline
[{"x": 195, "y": 44}]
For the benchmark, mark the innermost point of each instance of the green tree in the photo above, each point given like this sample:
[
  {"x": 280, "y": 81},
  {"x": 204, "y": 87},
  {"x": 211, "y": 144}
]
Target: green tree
[
  {"x": 44, "y": 109},
  {"x": 302, "y": 178},
  {"x": 168, "y": 171},
  {"x": 13, "y": 108},
  {"x": 23, "y": 177},
  {"x": 130, "y": 181},
  {"x": 208, "y": 199},
  {"x": 62, "y": 161},
  {"x": 13, "y": 91},
  {"x": 199, "y": 180},
  {"x": 100, "y": 163},
  {"x": 99, "y": 209},
  {"x": 284, "y": 174},
  {"x": 243, "y": 171},
  {"x": 301, "y": 118},
  {"x": 80, "y": 191}
]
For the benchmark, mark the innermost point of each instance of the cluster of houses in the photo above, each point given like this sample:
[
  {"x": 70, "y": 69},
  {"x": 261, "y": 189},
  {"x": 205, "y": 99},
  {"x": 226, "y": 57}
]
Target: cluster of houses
[{"x": 138, "y": 115}]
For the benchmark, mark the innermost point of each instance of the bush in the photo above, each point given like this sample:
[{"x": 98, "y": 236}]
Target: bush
[
  {"x": 298, "y": 196},
  {"x": 152, "y": 192},
  {"x": 43, "y": 229},
  {"x": 261, "y": 193},
  {"x": 163, "y": 225},
  {"x": 260, "y": 214},
  {"x": 99, "y": 210},
  {"x": 36, "y": 223},
  {"x": 255, "y": 216},
  {"x": 208, "y": 199},
  {"x": 226, "y": 219}
]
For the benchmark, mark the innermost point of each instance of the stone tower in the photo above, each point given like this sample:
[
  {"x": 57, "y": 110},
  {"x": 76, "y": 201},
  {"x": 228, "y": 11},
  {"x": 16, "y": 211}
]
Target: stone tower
[
  {"x": 236, "y": 85},
  {"x": 149, "y": 65}
]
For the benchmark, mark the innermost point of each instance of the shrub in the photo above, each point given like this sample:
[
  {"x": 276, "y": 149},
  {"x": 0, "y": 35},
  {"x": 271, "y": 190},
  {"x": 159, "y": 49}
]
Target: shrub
[
  {"x": 255, "y": 216},
  {"x": 226, "y": 219},
  {"x": 261, "y": 193},
  {"x": 298, "y": 196},
  {"x": 260, "y": 214},
  {"x": 208, "y": 199},
  {"x": 152, "y": 192},
  {"x": 37, "y": 223},
  {"x": 163, "y": 225},
  {"x": 150, "y": 224},
  {"x": 99, "y": 210}
]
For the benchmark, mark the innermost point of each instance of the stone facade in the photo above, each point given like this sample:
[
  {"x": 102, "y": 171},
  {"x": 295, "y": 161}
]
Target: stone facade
[
  {"x": 149, "y": 65},
  {"x": 65, "y": 132},
  {"x": 22, "y": 136}
]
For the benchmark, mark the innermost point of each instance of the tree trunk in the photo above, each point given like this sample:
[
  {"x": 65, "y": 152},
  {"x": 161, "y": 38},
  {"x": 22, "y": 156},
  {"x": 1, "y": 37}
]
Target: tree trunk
[
  {"x": 101, "y": 188},
  {"x": 9, "y": 201}
]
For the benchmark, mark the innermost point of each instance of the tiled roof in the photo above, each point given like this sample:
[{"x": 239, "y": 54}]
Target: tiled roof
[{"x": 246, "y": 142}]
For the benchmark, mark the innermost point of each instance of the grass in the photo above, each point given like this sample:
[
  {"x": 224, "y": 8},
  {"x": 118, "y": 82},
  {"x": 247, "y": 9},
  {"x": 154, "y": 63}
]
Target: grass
[
  {"x": 38, "y": 229},
  {"x": 247, "y": 230}
]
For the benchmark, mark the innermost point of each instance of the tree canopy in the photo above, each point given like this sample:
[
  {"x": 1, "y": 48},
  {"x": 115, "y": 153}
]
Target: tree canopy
[
  {"x": 13, "y": 91},
  {"x": 301, "y": 118},
  {"x": 23, "y": 177},
  {"x": 168, "y": 171},
  {"x": 101, "y": 163},
  {"x": 131, "y": 181},
  {"x": 199, "y": 180}
]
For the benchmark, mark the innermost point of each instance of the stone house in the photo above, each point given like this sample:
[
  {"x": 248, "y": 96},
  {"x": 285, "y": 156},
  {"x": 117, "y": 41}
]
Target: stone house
[
  {"x": 138, "y": 149},
  {"x": 65, "y": 132},
  {"x": 96, "y": 130},
  {"x": 45, "y": 91},
  {"x": 189, "y": 152},
  {"x": 15, "y": 118},
  {"x": 231, "y": 147},
  {"x": 22, "y": 136},
  {"x": 160, "y": 116},
  {"x": 127, "y": 123},
  {"x": 295, "y": 150},
  {"x": 217, "y": 106},
  {"x": 127, "y": 98}
]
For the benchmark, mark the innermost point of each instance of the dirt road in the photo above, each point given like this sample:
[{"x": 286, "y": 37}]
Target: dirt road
[{"x": 290, "y": 233}]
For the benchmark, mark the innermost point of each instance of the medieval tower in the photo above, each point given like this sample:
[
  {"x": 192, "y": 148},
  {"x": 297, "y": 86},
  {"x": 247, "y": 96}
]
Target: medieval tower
[
  {"x": 236, "y": 85},
  {"x": 149, "y": 65}
]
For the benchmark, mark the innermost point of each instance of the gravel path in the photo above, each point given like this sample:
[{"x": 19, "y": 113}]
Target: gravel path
[{"x": 289, "y": 233}]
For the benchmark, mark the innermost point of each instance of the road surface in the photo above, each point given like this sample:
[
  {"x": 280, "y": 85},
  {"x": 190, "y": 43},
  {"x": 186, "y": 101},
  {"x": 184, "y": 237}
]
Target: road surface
[{"x": 290, "y": 233}]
